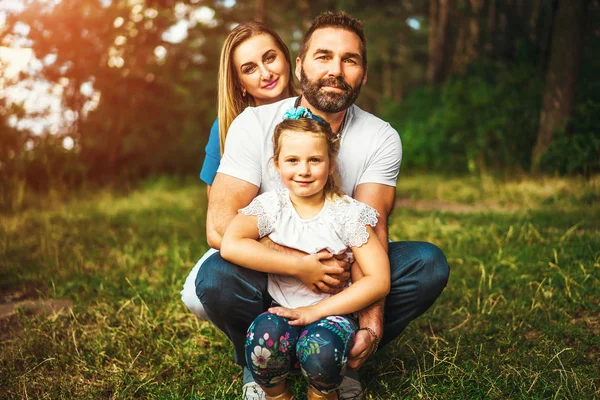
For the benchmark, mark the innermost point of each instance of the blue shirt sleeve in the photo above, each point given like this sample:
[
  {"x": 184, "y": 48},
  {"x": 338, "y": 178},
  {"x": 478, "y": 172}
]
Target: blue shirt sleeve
[{"x": 213, "y": 155}]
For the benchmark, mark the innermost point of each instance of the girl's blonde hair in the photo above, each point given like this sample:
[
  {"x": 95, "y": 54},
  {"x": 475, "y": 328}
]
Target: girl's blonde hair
[
  {"x": 231, "y": 100},
  {"x": 332, "y": 188}
]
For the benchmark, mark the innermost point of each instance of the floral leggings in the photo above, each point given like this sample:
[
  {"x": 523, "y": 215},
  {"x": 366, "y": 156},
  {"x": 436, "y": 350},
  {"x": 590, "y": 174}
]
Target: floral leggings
[{"x": 320, "y": 350}]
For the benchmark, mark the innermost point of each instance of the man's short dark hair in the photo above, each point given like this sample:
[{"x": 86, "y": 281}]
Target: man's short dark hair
[{"x": 340, "y": 20}]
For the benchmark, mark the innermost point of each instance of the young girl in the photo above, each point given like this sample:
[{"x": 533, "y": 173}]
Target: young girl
[{"x": 310, "y": 213}]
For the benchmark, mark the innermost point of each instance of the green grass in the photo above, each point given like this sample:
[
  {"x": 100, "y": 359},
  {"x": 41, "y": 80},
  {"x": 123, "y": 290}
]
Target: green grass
[{"x": 520, "y": 318}]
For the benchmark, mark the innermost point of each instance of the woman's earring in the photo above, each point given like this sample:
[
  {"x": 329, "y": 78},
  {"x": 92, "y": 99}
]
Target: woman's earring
[{"x": 243, "y": 92}]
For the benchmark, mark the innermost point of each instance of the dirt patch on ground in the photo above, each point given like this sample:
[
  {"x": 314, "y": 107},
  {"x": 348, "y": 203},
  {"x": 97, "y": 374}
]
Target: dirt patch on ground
[
  {"x": 39, "y": 307},
  {"x": 440, "y": 205},
  {"x": 27, "y": 301},
  {"x": 591, "y": 321}
]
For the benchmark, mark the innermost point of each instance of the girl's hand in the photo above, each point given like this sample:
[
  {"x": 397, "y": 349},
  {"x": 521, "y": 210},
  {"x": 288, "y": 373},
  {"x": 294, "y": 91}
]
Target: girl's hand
[
  {"x": 300, "y": 316},
  {"x": 315, "y": 275}
]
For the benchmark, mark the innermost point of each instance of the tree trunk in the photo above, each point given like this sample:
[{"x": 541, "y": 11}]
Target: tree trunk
[
  {"x": 438, "y": 38},
  {"x": 546, "y": 34},
  {"x": 469, "y": 32},
  {"x": 509, "y": 29},
  {"x": 535, "y": 15},
  {"x": 561, "y": 78},
  {"x": 472, "y": 49},
  {"x": 491, "y": 27},
  {"x": 260, "y": 11}
]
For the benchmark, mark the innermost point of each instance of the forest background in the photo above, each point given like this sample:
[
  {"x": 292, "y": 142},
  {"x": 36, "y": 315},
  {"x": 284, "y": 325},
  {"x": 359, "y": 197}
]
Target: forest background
[
  {"x": 102, "y": 214},
  {"x": 482, "y": 86}
]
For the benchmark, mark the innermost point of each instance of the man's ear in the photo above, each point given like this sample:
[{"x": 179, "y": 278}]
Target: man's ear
[
  {"x": 298, "y": 68},
  {"x": 364, "y": 80}
]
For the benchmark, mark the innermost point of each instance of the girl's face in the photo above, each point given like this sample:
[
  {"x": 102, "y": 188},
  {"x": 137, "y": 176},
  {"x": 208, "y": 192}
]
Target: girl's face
[
  {"x": 303, "y": 164},
  {"x": 262, "y": 69}
]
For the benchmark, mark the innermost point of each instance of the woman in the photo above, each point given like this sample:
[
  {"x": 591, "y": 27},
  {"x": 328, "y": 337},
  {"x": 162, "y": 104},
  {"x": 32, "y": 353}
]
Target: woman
[{"x": 254, "y": 69}]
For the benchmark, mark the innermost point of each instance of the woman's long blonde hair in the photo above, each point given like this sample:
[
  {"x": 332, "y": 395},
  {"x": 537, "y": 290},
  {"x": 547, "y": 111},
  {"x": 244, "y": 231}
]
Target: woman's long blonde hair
[{"x": 231, "y": 101}]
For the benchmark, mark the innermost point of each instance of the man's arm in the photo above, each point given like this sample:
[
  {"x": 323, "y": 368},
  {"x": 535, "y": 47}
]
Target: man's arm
[
  {"x": 380, "y": 197},
  {"x": 227, "y": 196}
]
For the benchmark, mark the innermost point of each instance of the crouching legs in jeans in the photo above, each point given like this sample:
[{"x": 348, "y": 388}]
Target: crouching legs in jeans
[{"x": 234, "y": 296}]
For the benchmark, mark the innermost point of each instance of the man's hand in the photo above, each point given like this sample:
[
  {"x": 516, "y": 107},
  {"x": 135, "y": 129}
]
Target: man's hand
[
  {"x": 338, "y": 260},
  {"x": 311, "y": 277},
  {"x": 316, "y": 275},
  {"x": 364, "y": 346}
]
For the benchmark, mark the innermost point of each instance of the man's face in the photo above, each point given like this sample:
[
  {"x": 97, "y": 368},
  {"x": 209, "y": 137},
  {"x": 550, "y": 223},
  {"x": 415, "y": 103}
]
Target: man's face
[{"x": 332, "y": 73}]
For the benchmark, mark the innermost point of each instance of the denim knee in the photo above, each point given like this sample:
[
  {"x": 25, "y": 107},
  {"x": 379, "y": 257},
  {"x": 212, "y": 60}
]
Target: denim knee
[
  {"x": 437, "y": 267},
  {"x": 209, "y": 290},
  {"x": 432, "y": 276},
  {"x": 217, "y": 285}
]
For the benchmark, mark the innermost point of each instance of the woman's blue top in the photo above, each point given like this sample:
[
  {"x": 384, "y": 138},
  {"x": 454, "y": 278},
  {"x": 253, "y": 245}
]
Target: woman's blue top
[{"x": 213, "y": 155}]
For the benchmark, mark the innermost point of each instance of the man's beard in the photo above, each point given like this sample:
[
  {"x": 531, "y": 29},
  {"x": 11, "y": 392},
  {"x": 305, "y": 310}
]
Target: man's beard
[{"x": 326, "y": 101}]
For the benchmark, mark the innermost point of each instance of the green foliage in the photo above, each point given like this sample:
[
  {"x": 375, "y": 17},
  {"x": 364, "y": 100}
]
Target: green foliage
[
  {"x": 144, "y": 113},
  {"x": 575, "y": 149},
  {"x": 573, "y": 154},
  {"x": 32, "y": 162},
  {"x": 485, "y": 118}
]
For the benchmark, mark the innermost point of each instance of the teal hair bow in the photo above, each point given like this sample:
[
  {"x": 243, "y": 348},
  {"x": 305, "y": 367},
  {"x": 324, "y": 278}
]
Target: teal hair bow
[{"x": 301, "y": 112}]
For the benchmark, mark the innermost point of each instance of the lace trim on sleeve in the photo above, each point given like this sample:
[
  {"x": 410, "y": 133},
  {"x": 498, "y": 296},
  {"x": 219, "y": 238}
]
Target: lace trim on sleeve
[
  {"x": 261, "y": 208},
  {"x": 355, "y": 217}
]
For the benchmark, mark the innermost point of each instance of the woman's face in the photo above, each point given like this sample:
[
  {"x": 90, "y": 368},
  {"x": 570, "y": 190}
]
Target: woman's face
[{"x": 262, "y": 69}]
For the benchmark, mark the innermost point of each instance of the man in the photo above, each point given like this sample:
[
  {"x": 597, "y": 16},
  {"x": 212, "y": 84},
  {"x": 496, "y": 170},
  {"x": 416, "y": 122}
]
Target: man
[{"x": 332, "y": 68}]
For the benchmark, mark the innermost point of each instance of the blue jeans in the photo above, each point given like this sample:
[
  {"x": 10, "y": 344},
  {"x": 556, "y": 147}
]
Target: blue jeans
[{"x": 234, "y": 296}]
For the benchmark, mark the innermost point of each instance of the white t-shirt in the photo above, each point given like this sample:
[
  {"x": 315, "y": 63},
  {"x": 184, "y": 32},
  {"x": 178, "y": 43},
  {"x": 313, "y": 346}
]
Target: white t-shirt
[
  {"x": 341, "y": 224},
  {"x": 370, "y": 150}
]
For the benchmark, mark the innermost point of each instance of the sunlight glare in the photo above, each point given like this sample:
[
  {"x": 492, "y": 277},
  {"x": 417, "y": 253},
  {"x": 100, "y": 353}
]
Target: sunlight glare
[
  {"x": 68, "y": 143},
  {"x": 160, "y": 52},
  {"x": 206, "y": 16},
  {"x": 14, "y": 60},
  {"x": 414, "y": 23},
  {"x": 177, "y": 32},
  {"x": 150, "y": 13}
]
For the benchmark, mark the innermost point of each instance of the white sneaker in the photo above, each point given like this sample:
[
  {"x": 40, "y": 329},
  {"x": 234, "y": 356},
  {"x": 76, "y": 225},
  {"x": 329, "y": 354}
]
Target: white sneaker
[
  {"x": 350, "y": 388},
  {"x": 252, "y": 391}
]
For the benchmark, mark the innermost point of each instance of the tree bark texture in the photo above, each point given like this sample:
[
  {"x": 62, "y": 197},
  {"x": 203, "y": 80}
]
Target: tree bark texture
[
  {"x": 260, "y": 11},
  {"x": 491, "y": 27},
  {"x": 472, "y": 49},
  {"x": 561, "y": 78},
  {"x": 438, "y": 38}
]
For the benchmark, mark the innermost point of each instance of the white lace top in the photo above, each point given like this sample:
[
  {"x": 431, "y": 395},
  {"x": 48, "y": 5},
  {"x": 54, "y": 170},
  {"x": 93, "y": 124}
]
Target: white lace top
[{"x": 340, "y": 224}]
